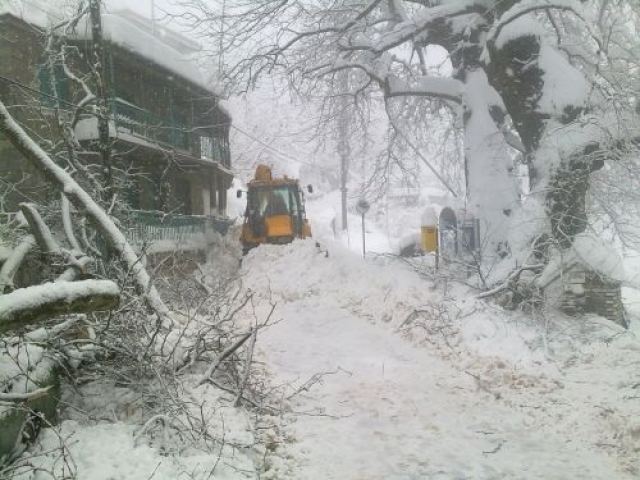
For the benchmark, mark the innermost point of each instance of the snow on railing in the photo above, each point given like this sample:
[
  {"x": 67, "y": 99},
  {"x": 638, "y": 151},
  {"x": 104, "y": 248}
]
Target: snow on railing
[{"x": 152, "y": 227}]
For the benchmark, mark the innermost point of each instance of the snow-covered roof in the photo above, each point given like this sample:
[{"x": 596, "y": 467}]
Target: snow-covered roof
[
  {"x": 177, "y": 40},
  {"x": 124, "y": 33},
  {"x": 34, "y": 12},
  {"x": 125, "y": 30}
]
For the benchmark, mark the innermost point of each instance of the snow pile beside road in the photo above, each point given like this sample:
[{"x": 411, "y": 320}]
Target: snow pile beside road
[
  {"x": 107, "y": 451},
  {"x": 554, "y": 397},
  {"x": 384, "y": 290},
  {"x": 378, "y": 289},
  {"x": 104, "y": 436}
]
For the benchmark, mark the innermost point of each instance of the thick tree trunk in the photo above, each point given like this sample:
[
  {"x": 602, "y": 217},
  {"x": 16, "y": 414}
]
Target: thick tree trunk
[
  {"x": 492, "y": 191},
  {"x": 491, "y": 183},
  {"x": 560, "y": 178}
]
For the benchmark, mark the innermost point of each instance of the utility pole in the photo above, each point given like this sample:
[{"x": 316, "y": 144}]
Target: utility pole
[
  {"x": 344, "y": 149},
  {"x": 153, "y": 17},
  {"x": 104, "y": 112},
  {"x": 221, "y": 39}
]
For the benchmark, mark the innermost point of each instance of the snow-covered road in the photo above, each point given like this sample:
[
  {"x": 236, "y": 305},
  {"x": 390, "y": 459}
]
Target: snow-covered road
[{"x": 389, "y": 409}]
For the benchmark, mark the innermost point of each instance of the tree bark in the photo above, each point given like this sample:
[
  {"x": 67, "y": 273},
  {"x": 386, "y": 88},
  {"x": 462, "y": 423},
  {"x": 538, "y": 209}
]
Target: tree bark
[
  {"x": 515, "y": 72},
  {"x": 31, "y": 304},
  {"x": 11, "y": 266}
]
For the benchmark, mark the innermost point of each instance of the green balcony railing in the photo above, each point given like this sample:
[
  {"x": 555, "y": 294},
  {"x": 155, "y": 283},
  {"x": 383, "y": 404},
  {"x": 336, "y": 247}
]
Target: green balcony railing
[
  {"x": 152, "y": 227},
  {"x": 142, "y": 123}
]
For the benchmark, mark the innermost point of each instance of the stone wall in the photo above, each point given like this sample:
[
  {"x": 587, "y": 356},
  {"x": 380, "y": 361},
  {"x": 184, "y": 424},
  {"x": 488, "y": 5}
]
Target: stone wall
[{"x": 588, "y": 292}]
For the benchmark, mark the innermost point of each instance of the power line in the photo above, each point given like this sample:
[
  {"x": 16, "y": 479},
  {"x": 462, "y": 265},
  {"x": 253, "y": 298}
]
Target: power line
[
  {"x": 276, "y": 151},
  {"x": 422, "y": 157},
  {"x": 44, "y": 94},
  {"x": 84, "y": 109}
]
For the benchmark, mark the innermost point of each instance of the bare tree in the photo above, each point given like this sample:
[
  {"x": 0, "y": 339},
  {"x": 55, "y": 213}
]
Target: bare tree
[{"x": 531, "y": 77}]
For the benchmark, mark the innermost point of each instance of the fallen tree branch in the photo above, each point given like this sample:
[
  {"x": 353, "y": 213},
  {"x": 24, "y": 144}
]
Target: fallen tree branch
[
  {"x": 511, "y": 279},
  {"x": 247, "y": 367},
  {"x": 83, "y": 201},
  {"x": 67, "y": 223},
  {"x": 162, "y": 419},
  {"x": 44, "y": 334},
  {"x": 11, "y": 266},
  {"x": 31, "y": 304},
  {"x": 40, "y": 230},
  {"x": 78, "y": 262},
  {"x": 214, "y": 366},
  {"x": 24, "y": 397}
]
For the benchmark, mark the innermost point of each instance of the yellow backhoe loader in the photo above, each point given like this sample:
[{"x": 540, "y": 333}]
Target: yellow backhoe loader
[{"x": 275, "y": 210}]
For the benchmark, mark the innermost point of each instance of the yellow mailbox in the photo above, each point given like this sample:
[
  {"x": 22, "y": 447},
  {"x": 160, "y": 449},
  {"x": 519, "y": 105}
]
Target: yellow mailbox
[
  {"x": 429, "y": 231},
  {"x": 429, "y": 238}
]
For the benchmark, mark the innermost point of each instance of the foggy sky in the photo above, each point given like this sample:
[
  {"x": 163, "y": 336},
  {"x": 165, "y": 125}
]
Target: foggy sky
[{"x": 142, "y": 7}]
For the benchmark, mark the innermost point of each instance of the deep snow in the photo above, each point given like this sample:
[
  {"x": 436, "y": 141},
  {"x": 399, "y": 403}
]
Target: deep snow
[
  {"x": 392, "y": 375},
  {"x": 470, "y": 392}
]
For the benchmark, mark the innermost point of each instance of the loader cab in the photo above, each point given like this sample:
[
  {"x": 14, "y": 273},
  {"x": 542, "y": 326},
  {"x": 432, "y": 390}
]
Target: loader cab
[
  {"x": 275, "y": 213},
  {"x": 270, "y": 201}
]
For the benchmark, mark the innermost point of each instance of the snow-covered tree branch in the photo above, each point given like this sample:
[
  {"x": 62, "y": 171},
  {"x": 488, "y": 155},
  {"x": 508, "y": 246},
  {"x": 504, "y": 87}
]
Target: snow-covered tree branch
[{"x": 512, "y": 85}]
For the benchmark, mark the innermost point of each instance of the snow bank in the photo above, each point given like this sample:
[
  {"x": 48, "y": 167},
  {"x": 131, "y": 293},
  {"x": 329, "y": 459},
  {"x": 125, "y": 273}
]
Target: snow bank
[
  {"x": 109, "y": 451},
  {"x": 545, "y": 394},
  {"x": 382, "y": 292},
  {"x": 387, "y": 292}
]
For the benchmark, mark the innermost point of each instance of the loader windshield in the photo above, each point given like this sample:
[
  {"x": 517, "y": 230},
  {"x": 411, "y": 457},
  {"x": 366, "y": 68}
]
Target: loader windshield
[{"x": 269, "y": 201}]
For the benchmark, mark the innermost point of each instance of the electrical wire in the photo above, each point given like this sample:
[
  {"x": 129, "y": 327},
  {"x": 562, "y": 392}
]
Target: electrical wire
[{"x": 278, "y": 152}]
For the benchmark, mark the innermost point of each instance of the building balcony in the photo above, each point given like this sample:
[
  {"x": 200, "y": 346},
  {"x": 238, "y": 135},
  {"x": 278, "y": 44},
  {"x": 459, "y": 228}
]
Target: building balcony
[{"x": 137, "y": 126}]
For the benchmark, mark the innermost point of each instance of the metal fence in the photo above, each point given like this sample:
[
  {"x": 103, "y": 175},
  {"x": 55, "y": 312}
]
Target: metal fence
[
  {"x": 150, "y": 226},
  {"x": 140, "y": 122}
]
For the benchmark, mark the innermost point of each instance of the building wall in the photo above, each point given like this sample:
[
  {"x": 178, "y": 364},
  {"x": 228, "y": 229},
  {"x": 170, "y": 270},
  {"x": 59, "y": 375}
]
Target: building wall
[
  {"x": 138, "y": 82},
  {"x": 20, "y": 56}
]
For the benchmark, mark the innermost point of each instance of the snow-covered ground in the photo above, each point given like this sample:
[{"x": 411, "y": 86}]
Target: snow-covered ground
[
  {"x": 385, "y": 373},
  {"x": 423, "y": 381},
  {"x": 386, "y": 225}
]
